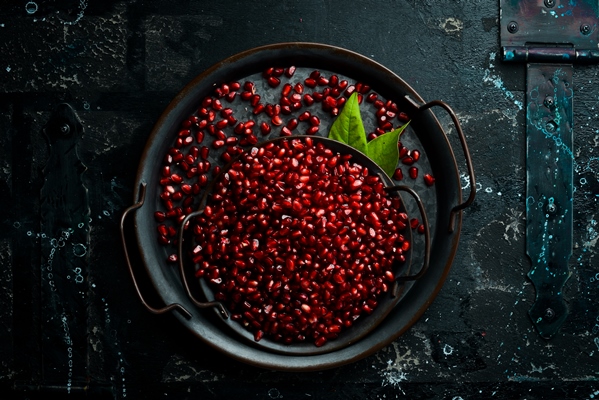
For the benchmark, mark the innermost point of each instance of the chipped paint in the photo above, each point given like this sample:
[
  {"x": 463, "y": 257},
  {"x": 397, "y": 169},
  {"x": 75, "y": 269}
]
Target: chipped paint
[{"x": 452, "y": 25}]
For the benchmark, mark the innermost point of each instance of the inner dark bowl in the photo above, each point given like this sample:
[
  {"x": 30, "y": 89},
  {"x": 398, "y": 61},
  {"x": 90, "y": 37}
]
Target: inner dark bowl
[{"x": 365, "y": 323}]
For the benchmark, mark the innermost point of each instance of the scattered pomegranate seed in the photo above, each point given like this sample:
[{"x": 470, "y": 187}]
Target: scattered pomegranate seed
[
  {"x": 308, "y": 100},
  {"x": 429, "y": 180},
  {"x": 277, "y": 120},
  {"x": 398, "y": 174},
  {"x": 264, "y": 128},
  {"x": 413, "y": 172},
  {"x": 292, "y": 123},
  {"x": 415, "y": 154},
  {"x": 286, "y": 90},
  {"x": 414, "y": 222},
  {"x": 312, "y": 130},
  {"x": 311, "y": 83},
  {"x": 289, "y": 72},
  {"x": 407, "y": 160}
]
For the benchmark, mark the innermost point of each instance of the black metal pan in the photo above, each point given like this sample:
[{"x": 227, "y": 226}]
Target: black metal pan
[{"x": 443, "y": 202}]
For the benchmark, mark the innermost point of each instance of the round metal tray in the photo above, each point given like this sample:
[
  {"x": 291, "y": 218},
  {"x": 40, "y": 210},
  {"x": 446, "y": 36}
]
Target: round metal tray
[{"x": 443, "y": 202}]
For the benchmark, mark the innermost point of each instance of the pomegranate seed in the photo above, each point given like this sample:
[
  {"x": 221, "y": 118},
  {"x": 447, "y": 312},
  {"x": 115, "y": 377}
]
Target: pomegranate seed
[
  {"x": 264, "y": 128},
  {"x": 403, "y": 117},
  {"x": 403, "y": 151},
  {"x": 304, "y": 116},
  {"x": 429, "y": 180},
  {"x": 258, "y": 109},
  {"x": 329, "y": 102},
  {"x": 246, "y": 95},
  {"x": 334, "y": 81},
  {"x": 349, "y": 91},
  {"x": 292, "y": 123},
  {"x": 407, "y": 160},
  {"x": 268, "y": 72},
  {"x": 322, "y": 81},
  {"x": 414, "y": 222},
  {"x": 415, "y": 154},
  {"x": 290, "y": 71},
  {"x": 312, "y": 130},
  {"x": 413, "y": 172},
  {"x": 277, "y": 120},
  {"x": 286, "y": 90},
  {"x": 310, "y": 82},
  {"x": 308, "y": 100},
  {"x": 398, "y": 174}
]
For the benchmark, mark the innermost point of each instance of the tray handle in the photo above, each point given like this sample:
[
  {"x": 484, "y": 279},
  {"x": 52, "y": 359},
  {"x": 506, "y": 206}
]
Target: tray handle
[
  {"x": 134, "y": 207},
  {"x": 462, "y": 137},
  {"x": 223, "y": 311},
  {"x": 427, "y": 238}
]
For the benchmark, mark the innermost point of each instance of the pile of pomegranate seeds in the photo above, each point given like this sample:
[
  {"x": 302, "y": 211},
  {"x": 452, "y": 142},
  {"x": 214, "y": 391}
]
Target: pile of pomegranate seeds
[
  {"x": 299, "y": 241},
  {"x": 238, "y": 115}
]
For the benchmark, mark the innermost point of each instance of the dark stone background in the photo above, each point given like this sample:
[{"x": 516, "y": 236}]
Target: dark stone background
[{"x": 122, "y": 62}]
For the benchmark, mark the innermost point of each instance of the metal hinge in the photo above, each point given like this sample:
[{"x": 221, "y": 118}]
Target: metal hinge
[{"x": 551, "y": 36}]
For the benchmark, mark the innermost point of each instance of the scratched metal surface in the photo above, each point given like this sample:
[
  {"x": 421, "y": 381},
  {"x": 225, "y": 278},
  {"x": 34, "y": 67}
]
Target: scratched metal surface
[{"x": 119, "y": 63}]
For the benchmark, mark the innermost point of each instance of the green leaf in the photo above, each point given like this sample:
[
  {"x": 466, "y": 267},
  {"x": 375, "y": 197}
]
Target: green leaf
[
  {"x": 383, "y": 150},
  {"x": 348, "y": 127}
]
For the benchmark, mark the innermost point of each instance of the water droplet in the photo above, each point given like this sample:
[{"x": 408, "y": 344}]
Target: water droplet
[
  {"x": 31, "y": 7},
  {"x": 79, "y": 250},
  {"x": 447, "y": 350}
]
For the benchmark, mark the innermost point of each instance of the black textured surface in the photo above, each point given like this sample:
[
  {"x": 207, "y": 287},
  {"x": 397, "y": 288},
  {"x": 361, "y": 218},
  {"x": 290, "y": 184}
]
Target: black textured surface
[{"x": 122, "y": 62}]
